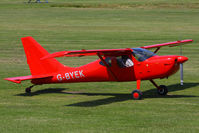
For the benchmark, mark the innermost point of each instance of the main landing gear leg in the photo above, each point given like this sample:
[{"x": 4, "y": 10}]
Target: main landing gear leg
[
  {"x": 28, "y": 90},
  {"x": 161, "y": 90},
  {"x": 137, "y": 94}
]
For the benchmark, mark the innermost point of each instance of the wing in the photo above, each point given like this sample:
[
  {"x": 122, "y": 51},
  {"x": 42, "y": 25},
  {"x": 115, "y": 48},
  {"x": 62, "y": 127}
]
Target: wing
[
  {"x": 170, "y": 44},
  {"x": 79, "y": 53},
  {"x": 29, "y": 77}
]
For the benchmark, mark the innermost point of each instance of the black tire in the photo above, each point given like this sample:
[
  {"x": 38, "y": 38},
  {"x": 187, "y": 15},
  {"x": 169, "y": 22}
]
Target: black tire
[
  {"x": 162, "y": 90},
  {"x": 137, "y": 94},
  {"x": 28, "y": 90}
]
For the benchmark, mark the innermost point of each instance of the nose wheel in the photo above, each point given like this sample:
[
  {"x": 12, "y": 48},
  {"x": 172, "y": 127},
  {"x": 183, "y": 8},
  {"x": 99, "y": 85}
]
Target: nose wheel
[{"x": 162, "y": 90}]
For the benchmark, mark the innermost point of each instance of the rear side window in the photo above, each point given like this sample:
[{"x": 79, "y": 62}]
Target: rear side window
[{"x": 107, "y": 60}]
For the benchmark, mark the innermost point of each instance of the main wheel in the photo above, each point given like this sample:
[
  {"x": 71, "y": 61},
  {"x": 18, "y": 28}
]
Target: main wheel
[
  {"x": 28, "y": 90},
  {"x": 162, "y": 90},
  {"x": 137, "y": 94}
]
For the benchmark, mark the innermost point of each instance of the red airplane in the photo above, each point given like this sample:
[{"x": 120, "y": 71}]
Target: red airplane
[{"x": 129, "y": 64}]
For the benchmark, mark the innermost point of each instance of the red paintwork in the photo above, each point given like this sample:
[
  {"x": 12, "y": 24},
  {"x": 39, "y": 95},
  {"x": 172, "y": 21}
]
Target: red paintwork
[
  {"x": 29, "y": 77},
  {"x": 45, "y": 69},
  {"x": 154, "y": 67}
]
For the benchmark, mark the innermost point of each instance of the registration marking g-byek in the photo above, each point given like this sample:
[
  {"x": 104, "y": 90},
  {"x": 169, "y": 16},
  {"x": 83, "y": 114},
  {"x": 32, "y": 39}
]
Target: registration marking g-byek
[{"x": 70, "y": 75}]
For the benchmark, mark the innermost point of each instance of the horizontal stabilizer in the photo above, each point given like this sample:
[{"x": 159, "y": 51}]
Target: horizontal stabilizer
[{"x": 29, "y": 77}]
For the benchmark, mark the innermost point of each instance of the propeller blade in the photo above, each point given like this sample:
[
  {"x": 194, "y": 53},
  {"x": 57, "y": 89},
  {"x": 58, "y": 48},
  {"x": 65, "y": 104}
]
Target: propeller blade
[
  {"x": 181, "y": 74},
  {"x": 181, "y": 68}
]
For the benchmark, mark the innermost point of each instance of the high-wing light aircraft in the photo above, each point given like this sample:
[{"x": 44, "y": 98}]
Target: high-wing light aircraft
[{"x": 128, "y": 64}]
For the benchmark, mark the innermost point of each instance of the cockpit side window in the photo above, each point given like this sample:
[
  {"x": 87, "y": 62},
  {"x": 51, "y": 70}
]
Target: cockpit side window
[
  {"x": 124, "y": 61},
  {"x": 107, "y": 60}
]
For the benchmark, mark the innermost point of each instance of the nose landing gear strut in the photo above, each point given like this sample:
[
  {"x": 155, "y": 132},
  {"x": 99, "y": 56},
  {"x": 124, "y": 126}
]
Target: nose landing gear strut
[{"x": 161, "y": 90}]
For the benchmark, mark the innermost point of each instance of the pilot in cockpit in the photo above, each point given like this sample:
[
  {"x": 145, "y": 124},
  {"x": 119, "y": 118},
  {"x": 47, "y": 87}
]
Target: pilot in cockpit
[{"x": 126, "y": 61}]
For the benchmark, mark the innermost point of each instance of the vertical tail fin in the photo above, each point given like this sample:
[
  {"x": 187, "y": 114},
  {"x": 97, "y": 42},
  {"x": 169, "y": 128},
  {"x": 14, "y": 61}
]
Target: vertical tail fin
[{"x": 34, "y": 51}]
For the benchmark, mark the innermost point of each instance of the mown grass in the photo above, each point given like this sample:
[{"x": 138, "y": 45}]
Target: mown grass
[
  {"x": 128, "y": 5},
  {"x": 98, "y": 107}
]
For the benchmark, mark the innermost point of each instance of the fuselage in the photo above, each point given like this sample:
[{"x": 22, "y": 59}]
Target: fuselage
[{"x": 144, "y": 65}]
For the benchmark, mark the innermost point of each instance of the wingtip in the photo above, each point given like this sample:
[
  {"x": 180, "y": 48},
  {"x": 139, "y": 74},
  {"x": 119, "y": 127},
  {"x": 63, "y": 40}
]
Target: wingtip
[{"x": 14, "y": 81}]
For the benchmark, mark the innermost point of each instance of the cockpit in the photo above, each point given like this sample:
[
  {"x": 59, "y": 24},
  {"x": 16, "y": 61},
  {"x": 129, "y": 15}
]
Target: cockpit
[
  {"x": 124, "y": 61},
  {"x": 142, "y": 54}
]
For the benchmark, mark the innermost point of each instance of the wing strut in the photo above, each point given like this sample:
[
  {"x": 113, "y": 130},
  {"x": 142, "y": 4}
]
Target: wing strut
[
  {"x": 156, "y": 50},
  {"x": 107, "y": 66}
]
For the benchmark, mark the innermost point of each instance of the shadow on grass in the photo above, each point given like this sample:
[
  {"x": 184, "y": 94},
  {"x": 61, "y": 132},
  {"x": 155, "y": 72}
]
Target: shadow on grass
[
  {"x": 114, "y": 97},
  {"x": 44, "y": 91}
]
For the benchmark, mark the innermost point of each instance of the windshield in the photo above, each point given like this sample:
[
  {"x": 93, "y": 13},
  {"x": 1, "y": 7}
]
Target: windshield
[{"x": 142, "y": 54}]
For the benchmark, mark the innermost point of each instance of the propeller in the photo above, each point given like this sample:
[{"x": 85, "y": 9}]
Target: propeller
[
  {"x": 181, "y": 74},
  {"x": 181, "y": 68}
]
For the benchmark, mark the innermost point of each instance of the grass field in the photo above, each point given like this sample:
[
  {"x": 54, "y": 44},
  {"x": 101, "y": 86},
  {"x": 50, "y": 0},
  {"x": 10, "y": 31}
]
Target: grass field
[{"x": 98, "y": 107}]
